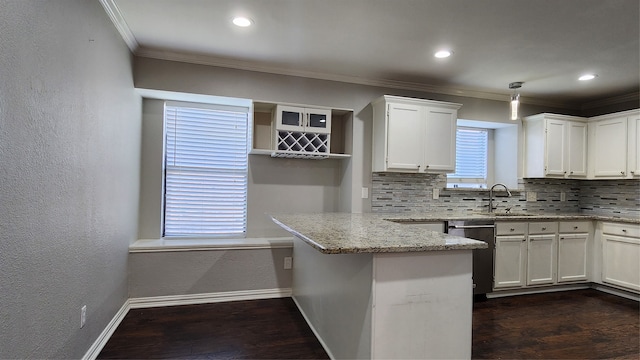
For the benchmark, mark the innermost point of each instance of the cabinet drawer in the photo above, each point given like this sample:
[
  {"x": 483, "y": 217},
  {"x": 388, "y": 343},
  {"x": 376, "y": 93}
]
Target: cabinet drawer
[
  {"x": 575, "y": 227},
  {"x": 621, "y": 229},
  {"x": 547, "y": 227},
  {"x": 511, "y": 228}
]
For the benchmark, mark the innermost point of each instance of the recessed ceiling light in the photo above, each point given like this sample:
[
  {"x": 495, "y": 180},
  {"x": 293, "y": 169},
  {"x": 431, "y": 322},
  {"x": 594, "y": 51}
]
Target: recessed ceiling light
[
  {"x": 242, "y": 21},
  {"x": 586, "y": 77},
  {"x": 443, "y": 54}
]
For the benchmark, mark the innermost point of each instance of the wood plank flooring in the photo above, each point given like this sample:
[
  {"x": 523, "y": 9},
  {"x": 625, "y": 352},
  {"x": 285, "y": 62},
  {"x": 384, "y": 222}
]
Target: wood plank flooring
[
  {"x": 579, "y": 324},
  {"x": 584, "y": 324},
  {"x": 256, "y": 329}
]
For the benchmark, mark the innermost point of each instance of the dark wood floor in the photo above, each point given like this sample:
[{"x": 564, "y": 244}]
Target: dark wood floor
[
  {"x": 580, "y": 324},
  {"x": 256, "y": 329},
  {"x": 583, "y": 324}
]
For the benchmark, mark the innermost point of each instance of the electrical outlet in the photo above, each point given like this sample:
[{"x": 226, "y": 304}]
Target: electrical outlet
[
  {"x": 436, "y": 194},
  {"x": 288, "y": 262},
  {"x": 83, "y": 315},
  {"x": 563, "y": 196},
  {"x": 532, "y": 196},
  {"x": 365, "y": 193}
]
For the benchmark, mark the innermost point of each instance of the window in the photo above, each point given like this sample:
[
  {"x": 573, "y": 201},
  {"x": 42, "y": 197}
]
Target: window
[
  {"x": 205, "y": 187},
  {"x": 471, "y": 159}
]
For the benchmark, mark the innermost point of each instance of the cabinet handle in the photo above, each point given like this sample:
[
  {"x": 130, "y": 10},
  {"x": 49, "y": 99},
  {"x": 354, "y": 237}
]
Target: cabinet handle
[
  {"x": 565, "y": 172},
  {"x": 512, "y": 229},
  {"x": 575, "y": 228},
  {"x": 427, "y": 166},
  {"x": 543, "y": 229},
  {"x": 624, "y": 230},
  {"x": 571, "y": 172},
  {"x": 622, "y": 172}
]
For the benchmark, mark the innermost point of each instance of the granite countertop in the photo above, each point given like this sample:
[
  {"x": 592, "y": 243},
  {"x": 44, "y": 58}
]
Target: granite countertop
[{"x": 343, "y": 233}]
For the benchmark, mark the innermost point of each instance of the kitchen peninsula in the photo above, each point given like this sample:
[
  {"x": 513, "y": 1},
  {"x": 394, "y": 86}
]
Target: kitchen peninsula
[{"x": 372, "y": 288}]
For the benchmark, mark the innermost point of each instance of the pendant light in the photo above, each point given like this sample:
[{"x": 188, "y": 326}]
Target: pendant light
[{"x": 515, "y": 99}]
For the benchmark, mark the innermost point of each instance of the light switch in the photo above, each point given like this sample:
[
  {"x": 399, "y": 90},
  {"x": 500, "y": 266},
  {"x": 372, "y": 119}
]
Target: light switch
[
  {"x": 365, "y": 193},
  {"x": 436, "y": 194}
]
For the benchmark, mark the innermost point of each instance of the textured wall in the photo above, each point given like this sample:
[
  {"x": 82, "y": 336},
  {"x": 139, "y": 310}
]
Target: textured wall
[
  {"x": 69, "y": 165},
  {"x": 195, "y": 272}
]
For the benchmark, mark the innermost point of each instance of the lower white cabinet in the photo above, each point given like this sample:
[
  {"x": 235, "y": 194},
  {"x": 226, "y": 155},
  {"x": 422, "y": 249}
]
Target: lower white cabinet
[
  {"x": 541, "y": 259},
  {"x": 541, "y": 253},
  {"x": 510, "y": 260},
  {"x": 621, "y": 255},
  {"x": 574, "y": 251},
  {"x": 510, "y": 255}
]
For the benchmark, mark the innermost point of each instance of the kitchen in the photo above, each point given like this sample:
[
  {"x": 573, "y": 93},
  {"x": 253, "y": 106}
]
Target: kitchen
[{"x": 275, "y": 186}]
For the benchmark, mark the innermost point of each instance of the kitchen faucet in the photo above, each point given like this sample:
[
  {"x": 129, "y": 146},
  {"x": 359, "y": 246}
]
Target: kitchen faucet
[{"x": 491, "y": 208}]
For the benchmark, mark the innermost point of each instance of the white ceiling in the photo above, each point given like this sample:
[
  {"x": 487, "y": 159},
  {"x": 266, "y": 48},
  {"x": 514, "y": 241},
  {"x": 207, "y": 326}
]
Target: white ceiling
[{"x": 545, "y": 43}]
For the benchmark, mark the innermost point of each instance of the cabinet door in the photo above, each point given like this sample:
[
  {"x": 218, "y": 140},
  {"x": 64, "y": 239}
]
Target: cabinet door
[
  {"x": 577, "y": 149},
  {"x": 510, "y": 261},
  {"x": 289, "y": 118},
  {"x": 541, "y": 259},
  {"x": 572, "y": 257},
  {"x": 440, "y": 140},
  {"x": 404, "y": 137},
  {"x": 610, "y": 148},
  {"x": 633, "y": 166},
  {"x": 621, "y": 261},
  {"x": 555, "y": 140},
  {"x": 318, "y": 120}
]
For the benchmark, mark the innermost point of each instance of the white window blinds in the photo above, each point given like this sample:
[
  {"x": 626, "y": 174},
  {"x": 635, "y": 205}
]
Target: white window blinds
[
  {"x": 471, "y": 156},
  {"x": 205, "y": 170}
]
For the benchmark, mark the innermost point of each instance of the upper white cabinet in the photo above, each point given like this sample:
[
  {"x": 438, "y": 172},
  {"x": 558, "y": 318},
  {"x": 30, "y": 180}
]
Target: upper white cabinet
[
  {"x": 633, "y": 142},
  {"x": 294, "y": 118},
  {"x": 613, "y": 146},
  {"x": 414, "y": 135},
  {"x": 301, "y": 131},
  {"x": 555, "y": 146}
]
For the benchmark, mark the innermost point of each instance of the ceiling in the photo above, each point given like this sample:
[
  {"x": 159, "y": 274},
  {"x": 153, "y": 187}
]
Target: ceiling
[{"x": 547, "y": 44}]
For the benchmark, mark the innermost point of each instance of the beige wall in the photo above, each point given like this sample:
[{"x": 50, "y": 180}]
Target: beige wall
[{"x": 69, "y": 175}]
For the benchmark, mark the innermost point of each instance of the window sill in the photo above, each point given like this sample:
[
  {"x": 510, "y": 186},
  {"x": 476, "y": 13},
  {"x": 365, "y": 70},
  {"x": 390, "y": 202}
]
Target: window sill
[{"x": 161, "y": 245}]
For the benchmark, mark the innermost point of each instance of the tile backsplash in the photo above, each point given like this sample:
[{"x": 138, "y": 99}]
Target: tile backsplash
[{"x": 398, "y": 192}]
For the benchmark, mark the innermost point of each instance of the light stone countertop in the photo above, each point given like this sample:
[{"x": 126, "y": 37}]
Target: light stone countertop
[{"x": 343, "y": 233}]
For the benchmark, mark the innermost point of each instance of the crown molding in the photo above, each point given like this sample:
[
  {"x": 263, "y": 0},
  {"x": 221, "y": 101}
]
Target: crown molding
[
  {"x": 634, "y": 96},
  {"x": 209, "y": 60},
  {"x": 121, "y": 25}
]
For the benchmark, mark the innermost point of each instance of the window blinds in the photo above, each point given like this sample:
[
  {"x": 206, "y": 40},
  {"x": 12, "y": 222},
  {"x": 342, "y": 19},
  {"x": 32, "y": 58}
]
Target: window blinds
[
  {"x": 205, "y": 170},
  {"x": 471, "y": 156}
]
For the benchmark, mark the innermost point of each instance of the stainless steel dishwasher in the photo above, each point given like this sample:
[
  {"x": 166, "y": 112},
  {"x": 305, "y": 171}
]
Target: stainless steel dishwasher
[{"x": 483, "y": 230}]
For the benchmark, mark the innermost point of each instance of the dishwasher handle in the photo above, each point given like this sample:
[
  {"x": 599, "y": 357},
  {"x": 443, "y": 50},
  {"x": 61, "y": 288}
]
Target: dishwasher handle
[{"x": 471, "y": 226}]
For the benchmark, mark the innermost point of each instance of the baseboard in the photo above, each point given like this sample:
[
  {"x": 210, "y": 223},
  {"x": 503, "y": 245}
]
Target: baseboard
[
  {"x": 173, "y": 300},
  {"x": 537, "y": 290},
  {"x": 207, "y": 298},
  {"x": 313, "y": 329},
  {"x": 105, "y": 335},
  {"x": 615, "y": 291}
]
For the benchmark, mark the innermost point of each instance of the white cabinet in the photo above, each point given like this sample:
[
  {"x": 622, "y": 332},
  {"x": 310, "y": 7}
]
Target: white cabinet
[
  {"x": 633, "y": 142},
  {"x": 621, "y": 255},
  {"x": 510, "y": 255},
  {"x": 414, "y": 135},
  {"x": 555, "y": 146},
  {"x": 613, "y": 146},
  {"x": 573, "y": 251},
  {"x": 294, "y": 118},
  {"x": 541, "y": 253}
]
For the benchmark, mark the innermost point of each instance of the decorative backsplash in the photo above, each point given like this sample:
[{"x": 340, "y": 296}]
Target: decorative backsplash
[{"x": 398, "y": 192}]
